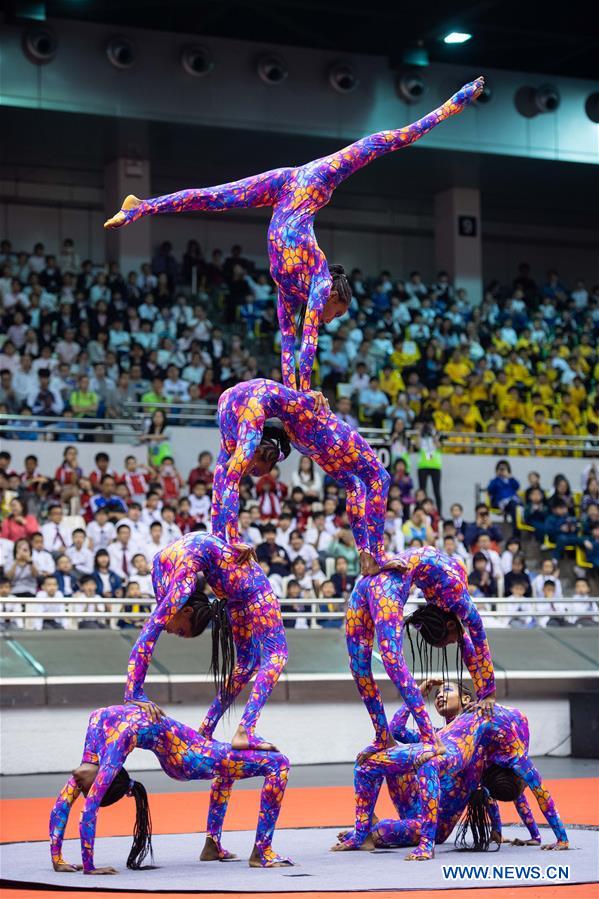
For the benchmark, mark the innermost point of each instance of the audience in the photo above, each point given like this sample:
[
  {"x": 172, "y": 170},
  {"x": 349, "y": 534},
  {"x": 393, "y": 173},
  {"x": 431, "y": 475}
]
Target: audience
[{"x": 80, "y": 341}]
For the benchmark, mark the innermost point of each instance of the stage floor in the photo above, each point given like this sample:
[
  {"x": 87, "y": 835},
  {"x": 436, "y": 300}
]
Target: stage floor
[{"x": 316, "y": 869}]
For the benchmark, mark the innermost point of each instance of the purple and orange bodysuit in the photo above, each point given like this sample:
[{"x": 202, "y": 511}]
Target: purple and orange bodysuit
[
  {"x": 341, "y": 452},
  {"x": 471, "y": 741},
  {"x": 253, "y": 610},
  {"x": 376, "y": 606},
  {"x": 456, "y": 787},
  {"x": 297, "y": 264},
  {"x": 183, "y": 754}
]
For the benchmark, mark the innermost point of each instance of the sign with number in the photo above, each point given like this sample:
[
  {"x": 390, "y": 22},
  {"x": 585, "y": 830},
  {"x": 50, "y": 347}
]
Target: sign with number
[{"x": 467, "y": 225}]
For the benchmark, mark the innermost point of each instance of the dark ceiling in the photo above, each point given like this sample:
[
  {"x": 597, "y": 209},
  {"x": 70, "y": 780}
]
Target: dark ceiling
[{"x": 507, "y": 34}]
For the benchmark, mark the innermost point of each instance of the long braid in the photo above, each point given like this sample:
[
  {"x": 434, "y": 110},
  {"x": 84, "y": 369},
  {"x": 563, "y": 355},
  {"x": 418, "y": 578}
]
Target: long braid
[
  {"x": 142, "y": 832},
  {"x": 476, "y": 820}
]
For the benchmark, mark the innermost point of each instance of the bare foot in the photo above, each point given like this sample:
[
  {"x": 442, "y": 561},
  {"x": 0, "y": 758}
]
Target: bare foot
[
  {"x": 368, "y": 564},
  {"x": 118, "y": 220},
  {"x": 243, "y": 740},
  {"x": 268, "y": 859},
  {"x": 420, "y": 855},
  {"x": 348, "y": 846},
  {"x": 214, "y": 853}
]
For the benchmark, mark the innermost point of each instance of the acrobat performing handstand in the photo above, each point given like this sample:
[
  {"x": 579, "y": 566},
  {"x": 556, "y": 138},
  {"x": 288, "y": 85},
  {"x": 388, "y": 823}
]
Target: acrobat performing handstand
[{"x": 297, "y": 264}]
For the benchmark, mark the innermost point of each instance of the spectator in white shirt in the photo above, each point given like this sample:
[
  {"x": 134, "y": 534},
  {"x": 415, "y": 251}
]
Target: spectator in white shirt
[
  {"x": 151, "y": 511},
  {"x": 101, "y": 532},
  {"x": 40, "y": 557},
  {"x": 121, "y": 552},
  {"x": 25, "y": 379},
  {"x": 140, "y": 532},
  {"x": 549, "y": 572},
  {"x": 360, "y": 379},
  {"x": 56, "y": 534},
  {"x": 157, "y": 542},
  {"x": 90, "y": 602},
  {"x": 298, "y": 548},
  {"x": 284, "y": 530},
  {"x": 394, "y": 526},
  {"x": 49, "y": 610},
  {"x": 67, "y": 349},
  {"x": 199, "y": 502},
  {"x": 174, "y": 388},
  {"x": 330, "y": 514},
  {"x": 492, "y": 557},
  {"x": 512, "y": 548},
  {"x": 80, "y": 555},
  {"x": 247, "y": 532},
  {"x": 142, "y": 576},
  {"x": 170, "y": 529},
  {"x": 317, "y": 535}
]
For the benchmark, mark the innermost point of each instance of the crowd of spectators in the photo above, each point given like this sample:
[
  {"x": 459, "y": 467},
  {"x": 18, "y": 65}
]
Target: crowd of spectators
[
  {"x": 92, "y": 536},
  {"x": 85, "y": 341}
]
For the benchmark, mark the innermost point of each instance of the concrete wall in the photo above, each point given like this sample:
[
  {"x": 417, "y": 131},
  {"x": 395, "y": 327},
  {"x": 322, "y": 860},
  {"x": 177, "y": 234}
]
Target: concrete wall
[{"x": 309, "y": 733}]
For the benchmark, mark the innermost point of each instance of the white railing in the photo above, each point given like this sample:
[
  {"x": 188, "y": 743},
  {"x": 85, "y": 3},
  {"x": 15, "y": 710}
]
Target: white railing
[{"x": 111, "y": 610}]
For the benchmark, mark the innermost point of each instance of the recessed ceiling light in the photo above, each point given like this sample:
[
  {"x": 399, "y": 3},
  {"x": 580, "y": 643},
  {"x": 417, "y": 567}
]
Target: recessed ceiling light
[{"x": 456, "y": 37}]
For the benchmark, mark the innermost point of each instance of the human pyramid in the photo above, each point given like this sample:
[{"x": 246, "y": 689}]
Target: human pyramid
[{"x": 435, "y": 777}]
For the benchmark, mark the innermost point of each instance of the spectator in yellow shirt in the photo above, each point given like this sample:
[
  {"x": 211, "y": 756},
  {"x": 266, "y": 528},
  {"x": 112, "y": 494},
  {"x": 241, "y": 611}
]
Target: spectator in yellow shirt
[
  {"x": 545, "y": 388},
  {"x": 391, "y": 382},
  {"x": 470, "y": 415},
  {"x": 516, "y": 372},
  {"x": 442, "y": 417},
  {"x": 512, "y": 407},
  {"x": 500, "y": 388},
  {"x": 478, "y": 391},
  {"x": 458, "y": 368},
  {"x": 405, "y": 352}
]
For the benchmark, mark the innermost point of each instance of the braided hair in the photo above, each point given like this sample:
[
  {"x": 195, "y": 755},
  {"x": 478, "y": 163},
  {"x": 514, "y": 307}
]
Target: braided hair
[
  {"x": 476, "y": 821},
  {"x": 213, "y": 612},
  {"x": 275, "y": 435},
  {"x": 431, "y": 626},
  {"x": 498, "y": 783},
  {"x": 340, "y": 283},
  {"x": 142, "y": 833},
  {"x": 503, "y": 783}
]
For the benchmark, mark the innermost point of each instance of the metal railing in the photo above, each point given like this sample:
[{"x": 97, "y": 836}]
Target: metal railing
[
  {"x": 550, "y": 445},
  {"x": 131, "y": 609}
]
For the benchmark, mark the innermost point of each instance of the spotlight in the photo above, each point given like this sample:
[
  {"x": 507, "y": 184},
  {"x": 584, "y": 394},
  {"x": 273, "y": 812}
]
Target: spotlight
[
  {"x": 411, "y": 86},
  {"x": 342, "y": 78},
  {"x": 547, "y": 98},
  {"x": 456, "y": 37},
  {"x": 40, "y": 45},
  {"x": 591, "y": 107},
  {"x": 121, "y": 52},
  {"x": 272, "y": 69},
  {"x": 197, "y": 60}
]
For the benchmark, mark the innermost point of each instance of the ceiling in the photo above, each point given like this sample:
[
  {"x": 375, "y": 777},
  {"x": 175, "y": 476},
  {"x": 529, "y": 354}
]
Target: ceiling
[{"x": 507, "y": 34}]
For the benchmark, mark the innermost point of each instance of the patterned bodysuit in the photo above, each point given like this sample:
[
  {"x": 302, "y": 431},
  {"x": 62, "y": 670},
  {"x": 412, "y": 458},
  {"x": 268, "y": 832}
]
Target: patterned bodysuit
[
  {"x": 297, "y": 264},
  {"x": 253, "y": 610},
  {"x": 113, "y": 733},
  {"x": 468, "y": 739},
  {"x": 455, "y": 791},
  {"x": 376, "y": 606},
  {"x": 341, "y": 452}
]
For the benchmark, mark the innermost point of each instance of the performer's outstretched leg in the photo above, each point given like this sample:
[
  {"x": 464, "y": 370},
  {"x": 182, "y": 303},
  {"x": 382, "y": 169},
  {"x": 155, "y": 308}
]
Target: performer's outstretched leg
[
  {"x": 257, "y": 190},
  {"x": 368, "y": 776},
  {"x": 338, "y": 166}
]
